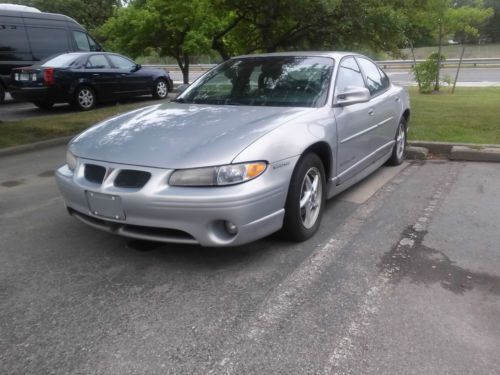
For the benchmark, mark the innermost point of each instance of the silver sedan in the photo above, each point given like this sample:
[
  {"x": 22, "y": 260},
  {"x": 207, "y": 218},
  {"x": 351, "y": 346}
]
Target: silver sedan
[{"x": 254, "y": 146}]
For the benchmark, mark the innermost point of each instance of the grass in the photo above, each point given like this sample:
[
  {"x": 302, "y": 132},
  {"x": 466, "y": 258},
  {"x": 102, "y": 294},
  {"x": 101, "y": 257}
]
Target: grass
[
  {"x": 13, "y": 133},
  {"x": 472, "y": 115}
]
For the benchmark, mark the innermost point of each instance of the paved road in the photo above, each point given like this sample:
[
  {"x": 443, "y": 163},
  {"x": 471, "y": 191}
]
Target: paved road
[
  {"x": 467, "y": 77},
  {"x": 402, "y": 278},
  {"x": 14, "y": 111}
]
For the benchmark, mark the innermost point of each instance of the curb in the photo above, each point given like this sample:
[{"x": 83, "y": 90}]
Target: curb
[
  {"x": 455, "y": 151},
  {"x": 35, "y": 146}
]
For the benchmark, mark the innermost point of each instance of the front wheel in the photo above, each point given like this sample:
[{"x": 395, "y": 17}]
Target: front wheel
[
  {"x": 85, "y": 98},
  {"x": 161, "y": 89},
  {"x": 306, "y": 199},
  {"x": 399, "y": 150}
]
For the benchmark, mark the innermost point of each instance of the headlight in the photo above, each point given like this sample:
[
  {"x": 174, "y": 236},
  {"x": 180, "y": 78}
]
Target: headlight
[
  {"x": 70, "y": 160},
  {"x": 217, "y": 176}
]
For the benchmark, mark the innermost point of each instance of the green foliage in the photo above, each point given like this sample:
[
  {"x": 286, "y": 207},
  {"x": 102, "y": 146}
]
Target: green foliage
[{"x": 426, "y": 73}]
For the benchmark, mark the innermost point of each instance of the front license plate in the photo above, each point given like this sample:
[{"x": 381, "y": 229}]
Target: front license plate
[{"x": 105, "y": 205}]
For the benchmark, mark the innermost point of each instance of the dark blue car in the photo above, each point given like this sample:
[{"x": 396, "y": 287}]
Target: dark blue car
[{"x": 86, "y": 78}]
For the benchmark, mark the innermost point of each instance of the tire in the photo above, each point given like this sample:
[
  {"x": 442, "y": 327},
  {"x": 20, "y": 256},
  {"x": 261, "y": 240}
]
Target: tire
[
  {"x": 399, "y": 149},
  {"x": 302, "y": 215},
  {"x": 160, "y": 90},
  {"x": 2, "y": 94},
  {"x": 85, "y": 98},
  {"x": 44, "y": 105}
]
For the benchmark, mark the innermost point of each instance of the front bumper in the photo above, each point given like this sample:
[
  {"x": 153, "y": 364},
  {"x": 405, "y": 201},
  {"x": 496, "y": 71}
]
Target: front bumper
[{"x": 190, "y": 215}]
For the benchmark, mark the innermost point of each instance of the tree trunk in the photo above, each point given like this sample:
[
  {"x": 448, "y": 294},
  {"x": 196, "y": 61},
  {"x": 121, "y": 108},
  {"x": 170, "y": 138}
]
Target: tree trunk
[
  {"x": 458, "y": 69},
  {"x": 183, "y": 62},
  {"x": 415, "y": 65},
  {"x": 436, "y": 87},
  {"x": 219, "y": 46},
  {"x": 185, "y": 71}
]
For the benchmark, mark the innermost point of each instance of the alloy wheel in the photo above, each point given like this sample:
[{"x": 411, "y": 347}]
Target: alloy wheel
[{"x": 311, "y": 196}]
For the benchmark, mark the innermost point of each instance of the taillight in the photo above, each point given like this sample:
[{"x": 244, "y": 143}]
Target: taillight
[{"x": 48, "y": 76}]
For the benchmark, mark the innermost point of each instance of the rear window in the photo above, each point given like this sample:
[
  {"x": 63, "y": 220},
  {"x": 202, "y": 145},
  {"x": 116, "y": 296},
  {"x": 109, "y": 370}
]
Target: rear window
[
  {"x": 47, "y": 42},
  {"x": 61, "y": 61}
]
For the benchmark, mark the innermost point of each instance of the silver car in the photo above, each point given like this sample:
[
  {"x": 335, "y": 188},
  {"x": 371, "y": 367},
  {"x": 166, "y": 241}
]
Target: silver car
[{"x": 254, "y": 146}]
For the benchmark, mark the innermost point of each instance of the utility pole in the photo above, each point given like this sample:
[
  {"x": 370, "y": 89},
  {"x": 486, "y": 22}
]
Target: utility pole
[{"x": 436, "y": 87}]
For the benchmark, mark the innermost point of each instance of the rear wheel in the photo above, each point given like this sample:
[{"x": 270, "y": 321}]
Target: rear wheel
[
  {"x": 161, "y": 89},
  {"x": 44, "y": 105},
  {"x": 306, "y": 199},
  {"x": 399, "y": 150},
  {"x": 85, "y": 98}
]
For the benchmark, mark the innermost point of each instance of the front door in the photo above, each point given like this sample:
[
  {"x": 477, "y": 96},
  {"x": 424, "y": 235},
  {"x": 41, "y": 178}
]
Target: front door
[{"x": 354, "y": 124}]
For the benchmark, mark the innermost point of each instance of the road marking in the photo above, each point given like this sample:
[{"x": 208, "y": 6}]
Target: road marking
[
  {"x": 288, "y": 294},
  {"x": 369, "y": 308},
  {"x": 30, "y": 209},
  {"x": 364, "y": 190}
]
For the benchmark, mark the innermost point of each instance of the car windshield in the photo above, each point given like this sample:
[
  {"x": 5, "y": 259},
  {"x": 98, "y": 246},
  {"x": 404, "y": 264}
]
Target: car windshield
[
  {"x": 61, "y": 61},
  {"x": 283, "y": 81}
]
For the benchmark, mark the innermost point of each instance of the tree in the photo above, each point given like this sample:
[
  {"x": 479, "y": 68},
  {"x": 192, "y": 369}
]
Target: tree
[{"x": 172, "y": 27}]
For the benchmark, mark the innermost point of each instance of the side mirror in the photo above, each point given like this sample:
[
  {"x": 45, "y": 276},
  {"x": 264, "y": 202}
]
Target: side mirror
[
  {"x": 352, "y": 95},
  {"x": 182, "y": 88},
  {"x": 137, "y": 67}
]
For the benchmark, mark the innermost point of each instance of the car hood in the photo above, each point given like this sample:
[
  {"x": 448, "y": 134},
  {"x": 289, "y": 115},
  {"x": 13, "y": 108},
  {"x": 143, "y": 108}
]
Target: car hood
[{"x": 176, "y": 135}]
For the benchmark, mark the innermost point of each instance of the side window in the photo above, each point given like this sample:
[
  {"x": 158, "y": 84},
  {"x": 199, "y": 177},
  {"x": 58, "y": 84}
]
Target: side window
[
  {"x": 374, "y": 77},
  {"x": 46, "y": 42},
  {"x": 349, "y": 75},
  {"x": 13, "y": 39},
  {"x": 82, "y": 43},
  {"x": 386, "y": 82},
  {"x": 97, "y": 62},
  {"x": 121, "y": 62},
  {"x": 93, "y": 44}
]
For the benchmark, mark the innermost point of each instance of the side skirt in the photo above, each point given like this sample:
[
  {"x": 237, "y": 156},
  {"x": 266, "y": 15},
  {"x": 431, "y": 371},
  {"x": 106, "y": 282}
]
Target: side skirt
[{"x": 334, "y": 189}]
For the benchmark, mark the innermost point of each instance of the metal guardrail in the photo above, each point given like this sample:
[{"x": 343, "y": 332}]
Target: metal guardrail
[
  {"x": 384, "y": 64},
  {"x": 453, "y": 62}
]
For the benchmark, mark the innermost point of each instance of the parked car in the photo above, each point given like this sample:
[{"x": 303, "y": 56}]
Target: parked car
[
  {"x": 28, "y": 36},
  {"x": 84, "y": 78},
  {"x": 254, "y": 146}
]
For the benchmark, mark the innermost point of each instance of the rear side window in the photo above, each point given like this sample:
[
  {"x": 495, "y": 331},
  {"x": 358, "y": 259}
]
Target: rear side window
[
  {"x": 121, "y": 62},
  {"x": 46, "y": 42},
  {"x": 97, "y": 62},
  {"x": 13, "y": 39},
  {"x": 349, "y": 75},
  {"x": 374, "y": 79}
]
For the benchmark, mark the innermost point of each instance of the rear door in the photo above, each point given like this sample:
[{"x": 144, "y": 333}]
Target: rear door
[{"x": 354, "y": 124}]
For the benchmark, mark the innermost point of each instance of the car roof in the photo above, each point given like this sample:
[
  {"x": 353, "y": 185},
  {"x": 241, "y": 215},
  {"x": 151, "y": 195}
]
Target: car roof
[{"x": 331, "y": 54}]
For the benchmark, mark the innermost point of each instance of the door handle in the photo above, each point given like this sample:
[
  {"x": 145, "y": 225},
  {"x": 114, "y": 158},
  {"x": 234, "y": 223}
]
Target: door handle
[
  {"x": 371, "y": 112},
  {"x": 96, "y": 74},
  {"x": 397, "y": 99}
]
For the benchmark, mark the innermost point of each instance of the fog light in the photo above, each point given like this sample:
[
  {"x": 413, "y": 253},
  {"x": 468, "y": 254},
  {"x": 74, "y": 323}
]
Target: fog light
[{"x": 230, "y": 227}]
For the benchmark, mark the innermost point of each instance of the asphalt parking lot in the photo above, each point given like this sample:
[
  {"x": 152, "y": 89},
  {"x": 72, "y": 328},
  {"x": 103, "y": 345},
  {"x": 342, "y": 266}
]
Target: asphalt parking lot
[{"x": 403, "y": 278}]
